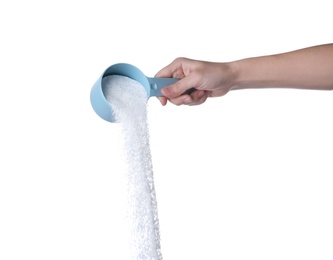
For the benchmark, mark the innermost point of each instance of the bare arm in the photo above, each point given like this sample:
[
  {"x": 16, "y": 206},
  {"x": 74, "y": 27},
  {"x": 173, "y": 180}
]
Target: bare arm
[{"x": 308, "y": 68}]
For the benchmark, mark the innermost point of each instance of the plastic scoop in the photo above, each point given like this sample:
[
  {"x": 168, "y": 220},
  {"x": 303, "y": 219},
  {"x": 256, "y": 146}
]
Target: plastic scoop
[{"x": 153, "y": 87}]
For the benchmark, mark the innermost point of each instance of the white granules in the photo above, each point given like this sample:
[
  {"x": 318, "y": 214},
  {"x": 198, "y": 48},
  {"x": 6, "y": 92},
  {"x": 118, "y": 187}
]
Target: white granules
[{"x": 128, "y": 99}]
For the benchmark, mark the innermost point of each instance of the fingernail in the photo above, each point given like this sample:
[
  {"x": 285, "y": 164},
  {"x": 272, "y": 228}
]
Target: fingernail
[
  {"x": 187, "y": 100},
  {"x": 201, "y": 94},
  {"x": 165, "y": 91}
]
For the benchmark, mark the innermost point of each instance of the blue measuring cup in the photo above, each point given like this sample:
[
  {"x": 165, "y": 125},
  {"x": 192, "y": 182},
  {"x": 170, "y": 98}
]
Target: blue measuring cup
[{"x": 103, "y": 107}]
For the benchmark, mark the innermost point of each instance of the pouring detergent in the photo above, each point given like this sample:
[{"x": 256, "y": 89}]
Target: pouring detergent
[
  {"x": 117, "y": 96},
  {"x": 103, "y": 107},
  {"x": 153, "y": 87}
]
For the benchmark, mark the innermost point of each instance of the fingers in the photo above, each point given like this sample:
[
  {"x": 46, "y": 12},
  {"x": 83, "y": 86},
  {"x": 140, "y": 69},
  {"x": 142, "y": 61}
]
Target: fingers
[
  {"x": 196, "y": 98},
  {"x": 173, "y": 70},
  {"x": 166, "y": 72},
  {"x": 180, "y": 68},
  {"x": 163, "y": 100},
  {"x": 177, "y": 89}
]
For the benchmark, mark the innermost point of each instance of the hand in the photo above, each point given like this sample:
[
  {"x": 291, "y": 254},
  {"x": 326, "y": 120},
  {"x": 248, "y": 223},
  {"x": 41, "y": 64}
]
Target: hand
[{"x": 210, "y": 79}]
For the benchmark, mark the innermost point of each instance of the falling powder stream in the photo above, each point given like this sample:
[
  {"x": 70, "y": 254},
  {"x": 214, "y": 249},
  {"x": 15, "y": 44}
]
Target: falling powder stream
[{"x": 128, "y": 99}]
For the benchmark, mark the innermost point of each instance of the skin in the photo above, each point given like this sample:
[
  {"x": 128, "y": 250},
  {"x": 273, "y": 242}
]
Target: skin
[{"x": 308, "y": 68}]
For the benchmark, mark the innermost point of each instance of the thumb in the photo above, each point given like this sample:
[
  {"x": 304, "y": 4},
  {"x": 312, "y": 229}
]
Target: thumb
[{"x": 178, "y": 88}]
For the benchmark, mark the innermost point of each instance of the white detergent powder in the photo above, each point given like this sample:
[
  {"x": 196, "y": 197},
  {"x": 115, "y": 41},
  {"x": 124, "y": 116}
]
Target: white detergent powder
[{"x": 128, "y": 99}]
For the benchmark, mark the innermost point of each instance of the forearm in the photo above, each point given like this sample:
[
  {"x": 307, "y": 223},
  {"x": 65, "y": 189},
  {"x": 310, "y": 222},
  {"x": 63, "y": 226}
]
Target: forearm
[{"x": 309, "y": 68}]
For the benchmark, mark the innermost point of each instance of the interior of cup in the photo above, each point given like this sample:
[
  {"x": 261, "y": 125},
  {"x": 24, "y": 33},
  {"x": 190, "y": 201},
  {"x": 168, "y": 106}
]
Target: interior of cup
[
  {"x": 98, "y": 99},
  {"x": 128, "y": 70}
]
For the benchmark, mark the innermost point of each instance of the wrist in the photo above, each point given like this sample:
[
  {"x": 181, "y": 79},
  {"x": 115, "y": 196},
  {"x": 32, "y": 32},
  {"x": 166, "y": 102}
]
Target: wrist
[
  {"x": 236, "y": 75},
  {"x": 253, "y": 73}
]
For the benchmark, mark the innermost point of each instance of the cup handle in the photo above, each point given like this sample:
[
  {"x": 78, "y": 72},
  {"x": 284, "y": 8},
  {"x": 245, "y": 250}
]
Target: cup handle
[{"x": 156, "y": 84}]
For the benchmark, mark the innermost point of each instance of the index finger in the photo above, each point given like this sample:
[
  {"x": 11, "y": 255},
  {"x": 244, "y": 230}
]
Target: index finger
[
  {"x": 166, "y": 72},
  {"x": 173, "y": 70}
]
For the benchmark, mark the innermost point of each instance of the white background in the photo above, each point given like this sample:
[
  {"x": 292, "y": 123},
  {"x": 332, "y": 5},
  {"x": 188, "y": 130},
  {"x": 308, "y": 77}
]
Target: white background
[{"x": 244, "y": 176}]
